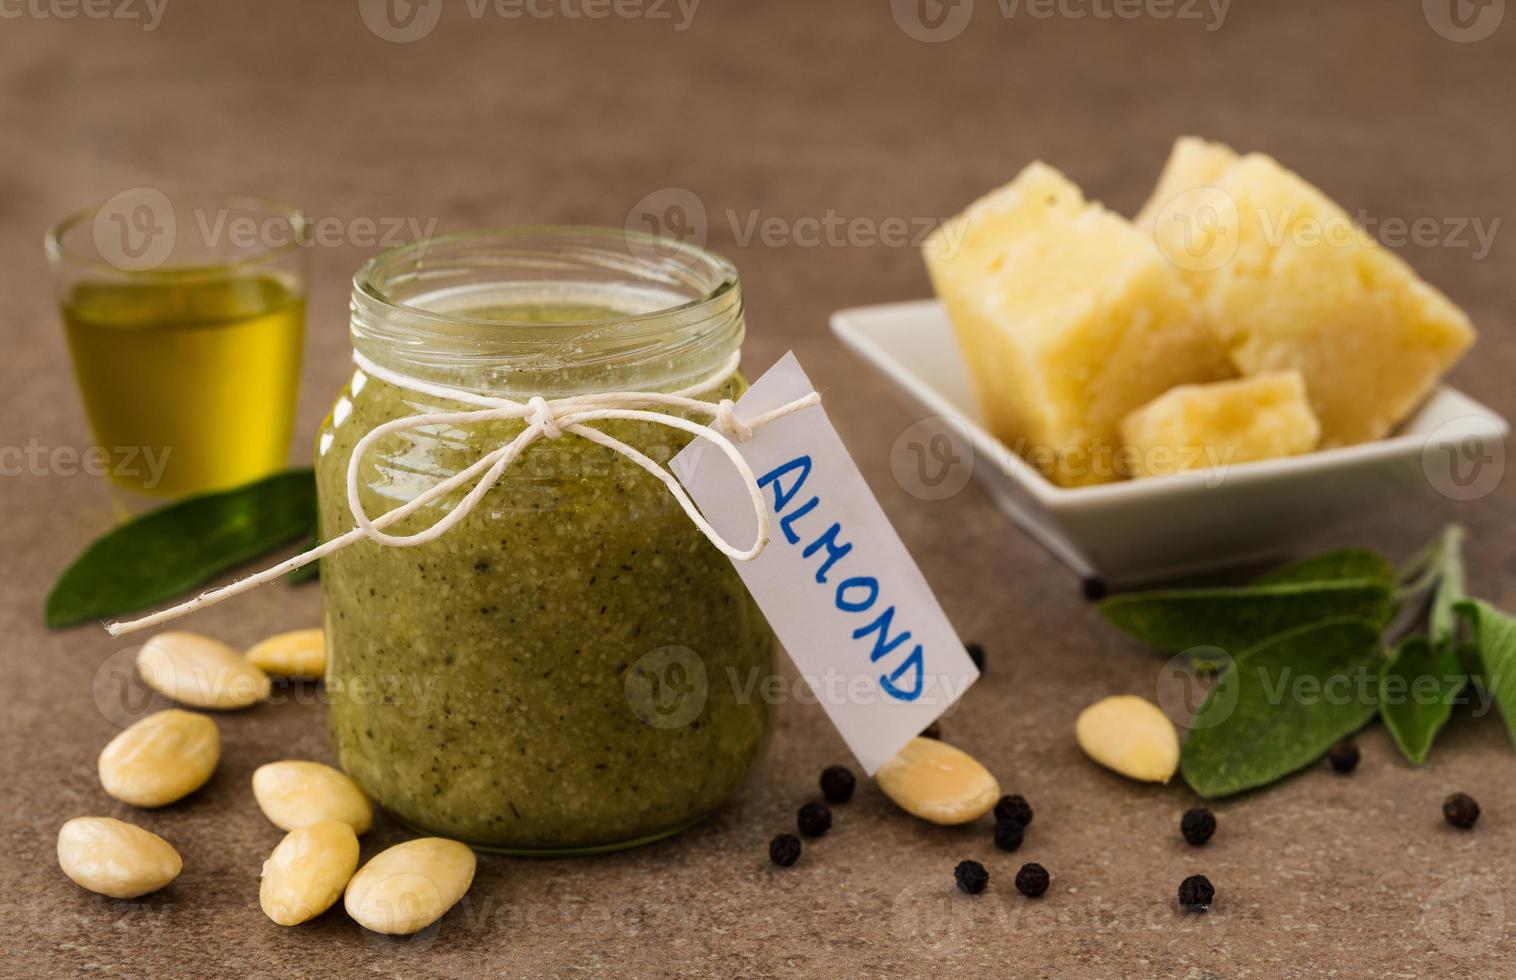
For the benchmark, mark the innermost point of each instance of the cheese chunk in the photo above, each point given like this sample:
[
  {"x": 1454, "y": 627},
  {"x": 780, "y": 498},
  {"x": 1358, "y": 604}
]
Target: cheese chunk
[
  {"x": 1213, "y": 425},
  {"x": 1069, "y": 318},
  {"x": 1290, "y": 281},
  {"x": 1194, "y": 164}
]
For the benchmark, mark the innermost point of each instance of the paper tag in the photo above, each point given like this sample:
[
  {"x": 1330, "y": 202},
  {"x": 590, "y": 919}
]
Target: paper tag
[{"x": 836, "y": 582}]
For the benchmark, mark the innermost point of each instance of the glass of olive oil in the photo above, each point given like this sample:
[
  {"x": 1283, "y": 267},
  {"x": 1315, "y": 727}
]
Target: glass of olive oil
[{"x": 185, "y": 319}]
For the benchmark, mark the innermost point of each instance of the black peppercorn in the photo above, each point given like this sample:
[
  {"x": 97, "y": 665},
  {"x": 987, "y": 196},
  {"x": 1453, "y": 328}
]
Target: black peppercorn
[
  {"x": 784, "y": 850},
  {"x": 1196, "y": 893},
  {"x": 933, "y": 730},
  {"x": 1344, "y": 756},
  {"x": 837, "y": 784},
  {"x": 814, "y": 819},
  {"x": 1009, "y": 834},
  {"x": 1014, "y": 808},
  {"x": 971, "y": 877},
  {"x": 1033, "y": 880},
  {"x": 1460, "y": 810},
  {"x": 976, "y": 654},
  {"x": 1197, "y": 826}
]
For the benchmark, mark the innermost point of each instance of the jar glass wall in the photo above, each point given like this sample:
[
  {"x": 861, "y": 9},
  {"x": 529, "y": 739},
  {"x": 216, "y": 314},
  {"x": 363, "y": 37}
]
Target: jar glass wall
[{"x": 571, "y": 668}]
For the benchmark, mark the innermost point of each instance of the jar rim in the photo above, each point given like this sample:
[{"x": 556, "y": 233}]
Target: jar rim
[
  {"x": 366, "y": 279},
  {"x": 672, "y": 310}
]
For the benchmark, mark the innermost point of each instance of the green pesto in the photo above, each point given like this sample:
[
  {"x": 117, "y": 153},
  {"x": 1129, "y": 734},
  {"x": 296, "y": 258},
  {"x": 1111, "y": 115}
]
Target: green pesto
[{"x": 478, "y": 684}]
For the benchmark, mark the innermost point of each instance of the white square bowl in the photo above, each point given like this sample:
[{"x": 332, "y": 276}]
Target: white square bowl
[{"x": 1141, "y": 531}]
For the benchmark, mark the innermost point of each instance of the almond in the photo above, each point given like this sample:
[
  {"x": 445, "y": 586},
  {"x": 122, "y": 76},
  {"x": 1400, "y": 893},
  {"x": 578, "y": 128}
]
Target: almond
[
  {"x": 199, "y": 671},
  {"x": 296, "y": 794},
  {"x": 162, "y": 757},
  {"x": 410, "y": 886},
  {"x": 935, "y": 781},
  {"x": 114, "y": 858},
  {"x": 308, "y": 871}
]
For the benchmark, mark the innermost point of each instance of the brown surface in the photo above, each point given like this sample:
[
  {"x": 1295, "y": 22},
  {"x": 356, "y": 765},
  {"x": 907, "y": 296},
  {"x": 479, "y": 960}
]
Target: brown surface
[{"x": 793, "y": 109}]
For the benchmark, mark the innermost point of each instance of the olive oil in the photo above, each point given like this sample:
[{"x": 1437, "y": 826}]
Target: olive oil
[{"x": 203, "y": 367}]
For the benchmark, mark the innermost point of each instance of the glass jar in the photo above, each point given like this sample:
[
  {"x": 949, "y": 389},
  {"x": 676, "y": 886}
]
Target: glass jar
[{"x": 572, "y": 667}]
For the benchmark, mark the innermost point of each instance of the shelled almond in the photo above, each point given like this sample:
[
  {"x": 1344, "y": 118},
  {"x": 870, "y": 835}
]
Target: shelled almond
[{"x": 201, "y": 672}]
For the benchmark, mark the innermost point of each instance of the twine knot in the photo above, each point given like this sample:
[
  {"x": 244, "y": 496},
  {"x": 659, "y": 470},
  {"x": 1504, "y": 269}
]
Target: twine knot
[
  {"x": 539, "y": 415},
  {"x": 728, "y": 421}
]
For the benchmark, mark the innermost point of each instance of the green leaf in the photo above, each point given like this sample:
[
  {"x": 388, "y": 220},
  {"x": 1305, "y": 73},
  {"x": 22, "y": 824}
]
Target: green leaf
[
  {"x": 306, "y": 573},
  {"x": 1417, "y": 689},
  {"x": 1282, "y": 704},
  {"x": 1443, "y": 619},
  {"x": 1495, "y": 644},
  {"x": 1240, "y": 618},
  {"x": 1348, "y": 563},
  {"x": 169, "y": 551}
]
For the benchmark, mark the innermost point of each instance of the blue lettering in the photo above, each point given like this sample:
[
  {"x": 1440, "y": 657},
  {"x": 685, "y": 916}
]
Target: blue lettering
[
  {"x": 787, "y": 520},
  {"x": 867, "y": 582},
  {"x": 882, "y": 644},
  {"x": 888, "y": 682},
  {"x": 854, "y": 595},
  {"x": 782, "y": 495},
  {"x": 828, "y": 540}
]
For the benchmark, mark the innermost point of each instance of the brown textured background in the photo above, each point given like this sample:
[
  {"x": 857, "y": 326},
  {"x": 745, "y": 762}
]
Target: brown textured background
[{"x": 794, "y": 109}]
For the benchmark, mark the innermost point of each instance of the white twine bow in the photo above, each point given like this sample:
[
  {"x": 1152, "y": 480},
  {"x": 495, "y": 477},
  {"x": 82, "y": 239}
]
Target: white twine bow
[{"x": 545, "y": 419}]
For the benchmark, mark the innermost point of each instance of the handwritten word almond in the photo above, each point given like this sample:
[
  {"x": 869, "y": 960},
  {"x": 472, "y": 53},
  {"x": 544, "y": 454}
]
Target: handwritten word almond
[
  {"x": 296, "y": 794},
  {"x": 935, "y": 781},
  {"x": 300, "y": 654},
  {"x": 1131, "y": 736},
  {"x": 201, "y": 672},
  {"x": 410, "y": 886},
  {"x": 308, "y": 871},
  {"x": 162, "y": 757},
  {"x": 114, "y": 858}
]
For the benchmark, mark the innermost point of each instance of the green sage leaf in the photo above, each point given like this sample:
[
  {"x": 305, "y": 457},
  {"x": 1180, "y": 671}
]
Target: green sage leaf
[
  {"x": 1418, "y": 687},
  {"x": 1443, "y": 620},
  {"x": 306, "y": 573},
  {"x": 1237, "y": 619},
  {"x": 1282, "y": 704},
  {"x": 169, "y": 551},
  {"x": 1495, "y": 645},
  {"x": 1348, "y": 563}
]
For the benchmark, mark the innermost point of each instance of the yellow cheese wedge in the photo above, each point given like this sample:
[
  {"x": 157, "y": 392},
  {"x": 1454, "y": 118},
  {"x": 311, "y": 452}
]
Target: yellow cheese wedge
[
  {"x": 1069, "y": 318},
  {"x": 1213, "y": 425},
  {"x": 1194, "y": 164},
  {"x": 1289, "y": 280}
]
